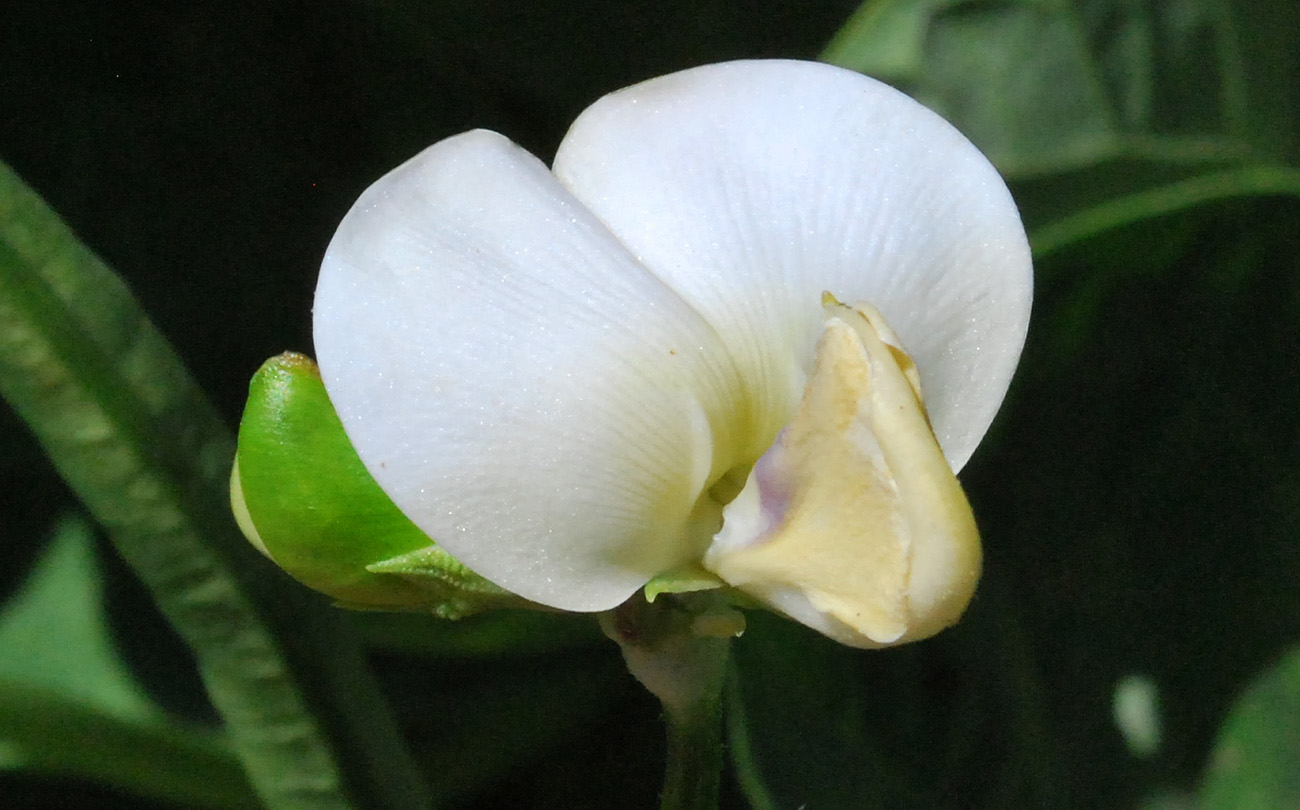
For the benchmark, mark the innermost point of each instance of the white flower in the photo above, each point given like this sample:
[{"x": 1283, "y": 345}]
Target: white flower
[{"x": 577, "y": 380}]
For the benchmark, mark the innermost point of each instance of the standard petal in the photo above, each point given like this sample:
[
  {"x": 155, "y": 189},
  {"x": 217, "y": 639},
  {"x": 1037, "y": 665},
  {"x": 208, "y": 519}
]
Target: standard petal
[
  {"x": 523, "y": 389},
  {"x": 752, "y": 187}
]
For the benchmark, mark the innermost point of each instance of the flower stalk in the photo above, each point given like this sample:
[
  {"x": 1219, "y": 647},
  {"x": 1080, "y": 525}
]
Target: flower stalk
[
  {"x": 678, "y": 647},
  {"x": 693, "y": 767}
]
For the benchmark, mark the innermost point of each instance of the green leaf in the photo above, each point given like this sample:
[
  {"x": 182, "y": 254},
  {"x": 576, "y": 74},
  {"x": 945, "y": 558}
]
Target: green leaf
[
  {"x": 61, "y": 600},
  {"x": 72, "y": 707},
  {"x": 309, "y": 504},
  {"x": 1042, "y": 85},
  {"x": 971, "y": 62},
  {"x": 1256, "y": 759},
  {"x": 1163, "y": 201},
  {"x": 1099, "y": 113},
  {"x": 128, "y": 429}
]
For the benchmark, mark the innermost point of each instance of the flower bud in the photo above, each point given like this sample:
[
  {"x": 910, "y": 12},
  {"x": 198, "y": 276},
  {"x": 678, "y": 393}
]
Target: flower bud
[{"x": 303, "y": 498}]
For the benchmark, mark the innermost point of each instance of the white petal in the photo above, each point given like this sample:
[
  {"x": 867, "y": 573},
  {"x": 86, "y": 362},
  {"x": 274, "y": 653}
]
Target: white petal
[
  {"x": 525, "y": 391},
  {"x": 752, "y": 187}
]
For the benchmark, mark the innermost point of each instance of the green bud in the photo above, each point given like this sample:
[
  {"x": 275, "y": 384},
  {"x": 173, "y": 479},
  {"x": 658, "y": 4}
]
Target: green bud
[{"x": 302, "y": 496}]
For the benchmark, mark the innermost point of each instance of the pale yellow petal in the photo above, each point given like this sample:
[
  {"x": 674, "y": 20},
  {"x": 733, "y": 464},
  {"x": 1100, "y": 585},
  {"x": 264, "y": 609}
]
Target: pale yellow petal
[{"x": 854, "y": 522}]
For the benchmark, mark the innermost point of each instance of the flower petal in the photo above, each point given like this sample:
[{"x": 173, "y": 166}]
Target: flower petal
[
  {"x": 523, "y": 390},
  {"x": 752, "y": 187},
  {"x": 853, "y": 522}
]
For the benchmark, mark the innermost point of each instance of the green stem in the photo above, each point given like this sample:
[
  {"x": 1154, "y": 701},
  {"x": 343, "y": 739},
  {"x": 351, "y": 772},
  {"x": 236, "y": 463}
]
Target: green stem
[
  {"x": 693, "y": 770},
  {"x": 677, "y": 647}
]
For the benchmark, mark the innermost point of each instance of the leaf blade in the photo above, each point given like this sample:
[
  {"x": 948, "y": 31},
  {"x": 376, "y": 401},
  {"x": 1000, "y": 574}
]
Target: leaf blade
[
  {"x": 1253, "y": 766},
  {"x": 128, "y": 429}
]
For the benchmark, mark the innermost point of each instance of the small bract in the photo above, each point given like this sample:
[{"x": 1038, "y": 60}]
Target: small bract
[{"x": 753, "y": 320}]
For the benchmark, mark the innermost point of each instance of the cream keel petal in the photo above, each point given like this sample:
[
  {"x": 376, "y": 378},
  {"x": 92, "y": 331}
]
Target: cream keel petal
[
  {"x": 518, "y": 384},
  {"x": 751, "y": 187},
  {"x": 853, "y": 523}
]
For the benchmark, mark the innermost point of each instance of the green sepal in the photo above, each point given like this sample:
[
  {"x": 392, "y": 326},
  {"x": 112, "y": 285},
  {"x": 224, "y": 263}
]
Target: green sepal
[
  {"x": 303, "y": 497},
  {"x": 459, "y": 591},
  {"x": 687, "y": 579}
]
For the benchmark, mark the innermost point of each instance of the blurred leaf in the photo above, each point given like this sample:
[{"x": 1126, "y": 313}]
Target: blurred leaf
[
  {"x": 1104, "y": 112},
  {"x": 134, "y": 437},
  {"x": 1256, "y": 760},
  {"x": 71, "y": 707},
  {"x": 62, "y": 600},
  {"x": 1162, "y": 201},
  {"x": 1015, "y": 77},
  {"x": 1043, "y": 85},
  {"x": 43, "y": 732}
]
